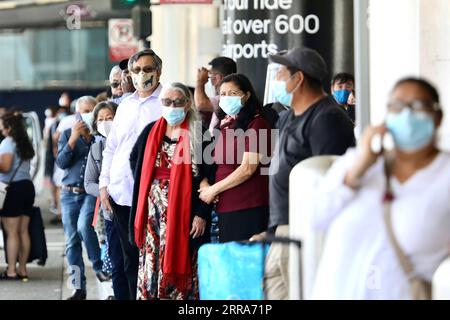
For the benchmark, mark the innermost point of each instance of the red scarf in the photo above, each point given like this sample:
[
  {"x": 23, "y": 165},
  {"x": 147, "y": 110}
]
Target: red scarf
[
  {"x": 176, "y": 265},
  {"x": 97, "y": 208}
]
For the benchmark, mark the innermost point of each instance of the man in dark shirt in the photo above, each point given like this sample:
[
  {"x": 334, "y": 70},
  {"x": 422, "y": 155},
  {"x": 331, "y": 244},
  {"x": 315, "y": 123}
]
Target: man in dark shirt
[
  {"x": 314, "y": 126},
  {"x": 342, "y": 89},
  {"x": 77, "y": 206}
]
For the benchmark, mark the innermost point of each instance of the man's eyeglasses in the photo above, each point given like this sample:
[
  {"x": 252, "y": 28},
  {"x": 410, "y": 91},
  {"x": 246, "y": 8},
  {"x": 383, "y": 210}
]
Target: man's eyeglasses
[
  {"x": 416, "y": 106},
  {"x": 178, "y": 103},
  {"x": 145, "y": 69},
  {"x": 115, "y": 85}
]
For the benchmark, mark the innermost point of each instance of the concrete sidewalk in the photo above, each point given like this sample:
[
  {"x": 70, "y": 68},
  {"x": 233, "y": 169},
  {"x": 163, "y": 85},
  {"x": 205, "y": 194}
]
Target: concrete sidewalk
[{"x": 50, "y": 282}]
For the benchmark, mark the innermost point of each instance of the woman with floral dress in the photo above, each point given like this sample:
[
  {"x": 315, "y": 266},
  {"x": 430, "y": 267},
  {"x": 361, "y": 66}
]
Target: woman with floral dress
[{"x": 169, "y": 220}]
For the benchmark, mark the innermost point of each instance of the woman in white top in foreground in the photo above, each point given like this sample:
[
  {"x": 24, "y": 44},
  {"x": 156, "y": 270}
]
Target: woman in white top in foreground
[{"x": 359, "y": 261}]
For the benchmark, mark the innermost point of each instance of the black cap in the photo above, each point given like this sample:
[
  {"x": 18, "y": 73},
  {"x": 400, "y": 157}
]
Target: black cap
[
  {"x": 123, "y": 65},
  {"x": 307, "y": 60}
]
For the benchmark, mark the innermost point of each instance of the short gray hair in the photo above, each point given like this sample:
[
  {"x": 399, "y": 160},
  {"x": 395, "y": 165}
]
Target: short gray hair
[
  {"x": 142, "y": 53},
  {"x": 84, "y": 99},
  {"x": 114, "y": 70}
]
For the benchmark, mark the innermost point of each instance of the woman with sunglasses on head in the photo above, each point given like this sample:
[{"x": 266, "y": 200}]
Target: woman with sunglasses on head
[
  {"x": 170, "y": 222},
  {"x": 387, "y": 213},
  {"x": 16, "y": 152},
  {"x": 241, "y": 191}
]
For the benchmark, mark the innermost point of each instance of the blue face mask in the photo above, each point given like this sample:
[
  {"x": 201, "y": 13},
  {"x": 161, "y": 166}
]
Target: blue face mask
[
  {"x": 173, "y": 116},
  {"x": 231, "y": 105},
  {"x": 280, "y": 93},
  {"x": 341, "y": 96},
  {"x": 411, "y": 130}
]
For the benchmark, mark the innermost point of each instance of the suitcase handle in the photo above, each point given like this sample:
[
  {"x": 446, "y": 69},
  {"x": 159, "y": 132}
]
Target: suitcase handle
[{"x": 273, "y": 239}]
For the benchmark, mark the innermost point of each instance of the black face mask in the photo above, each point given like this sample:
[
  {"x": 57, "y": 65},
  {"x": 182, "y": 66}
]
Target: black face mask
[{"x": 115, "y": 96}]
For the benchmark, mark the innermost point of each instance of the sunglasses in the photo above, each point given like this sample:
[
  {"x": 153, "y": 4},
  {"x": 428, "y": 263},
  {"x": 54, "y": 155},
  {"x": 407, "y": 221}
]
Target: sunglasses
[
  {"x": 145, "y": 69},
  {"x": 115, "y": 85},
  {"x": 178, "y": 103}
]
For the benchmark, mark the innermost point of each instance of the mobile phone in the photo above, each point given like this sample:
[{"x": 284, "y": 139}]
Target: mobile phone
[
  {"x": 381, "y": 143},
  {"x": 78, "y": 117}
]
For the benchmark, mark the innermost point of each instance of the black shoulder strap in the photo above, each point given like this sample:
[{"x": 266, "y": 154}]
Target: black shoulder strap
[
  {"x": 15, "y": 171},
  {"x": 101, "y": 150},
  {"x": 96, "y": 151}
]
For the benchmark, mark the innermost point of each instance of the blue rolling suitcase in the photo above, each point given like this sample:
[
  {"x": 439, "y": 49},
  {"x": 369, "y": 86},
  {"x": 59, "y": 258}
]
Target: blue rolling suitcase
[
  {"x": 231, "y": 271},
  {"x": 235, "y": 270}
]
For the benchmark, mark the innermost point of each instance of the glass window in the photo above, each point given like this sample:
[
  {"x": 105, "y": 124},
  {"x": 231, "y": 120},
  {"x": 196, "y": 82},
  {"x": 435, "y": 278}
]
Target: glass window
[{"x": 45, "y": 58}]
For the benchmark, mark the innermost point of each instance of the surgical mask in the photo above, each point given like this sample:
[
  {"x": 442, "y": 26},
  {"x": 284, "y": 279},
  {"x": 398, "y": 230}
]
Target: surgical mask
[
  {"x": 61, "y": 116},
  {"x": 88, "y": 118},
  {"x": 341, "y": 96},
  {"x": 48, "y": 113},
  {"x": 61, "y": 102},
  {"x": 411, "y": 130},
  {"x": 280, "y": 93},
  {"x": 210, "y": 90},
  {"x": 104, "y": 127},
  {"x": 144, "y": 81},
  {"x": 231, "y": 105},
  {"x": 173, "y": 116}
]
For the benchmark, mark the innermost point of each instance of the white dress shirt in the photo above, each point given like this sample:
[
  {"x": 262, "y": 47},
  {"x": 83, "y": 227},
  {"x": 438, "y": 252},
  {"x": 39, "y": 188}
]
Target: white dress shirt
[
  {"x": 358, "y": 260},
  {"x": 132, "y": 116}
]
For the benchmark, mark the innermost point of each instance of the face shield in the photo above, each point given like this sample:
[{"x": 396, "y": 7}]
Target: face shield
[{"x": 272, "y": 70}]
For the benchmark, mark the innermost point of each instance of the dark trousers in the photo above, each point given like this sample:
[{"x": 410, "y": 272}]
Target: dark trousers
[
  {"x": 119, "y": 278},
  {"x": 130, "y": 252},
  {"x": 241, "y": 225}
]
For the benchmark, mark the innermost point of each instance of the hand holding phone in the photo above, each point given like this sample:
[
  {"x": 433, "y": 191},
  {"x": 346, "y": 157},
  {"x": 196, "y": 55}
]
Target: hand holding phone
[
  {"x": 79, "y": 128},
  {"x": 78, "y": 117},
  {"x": 371, "y": 147}
]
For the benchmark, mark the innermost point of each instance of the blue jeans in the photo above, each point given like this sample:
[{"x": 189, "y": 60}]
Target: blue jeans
[
  {"x": 119, "y": 278},
  {"x": 77, "y": 214}
]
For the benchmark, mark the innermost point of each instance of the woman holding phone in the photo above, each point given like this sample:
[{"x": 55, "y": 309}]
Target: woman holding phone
[{"x": 387, "y": 214}]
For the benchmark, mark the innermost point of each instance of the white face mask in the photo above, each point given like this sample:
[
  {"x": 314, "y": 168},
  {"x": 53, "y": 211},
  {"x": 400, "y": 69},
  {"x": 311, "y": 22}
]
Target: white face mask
[
  {"x": 210, "y": 90},
  {"x": 61, "y": 102},
  {"x": 144, "y": 81},
  {"x": 104, "y": 127}
]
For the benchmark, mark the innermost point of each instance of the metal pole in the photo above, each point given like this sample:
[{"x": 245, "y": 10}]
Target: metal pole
[
  {"x": 147, "y": 42},
  {"x": 362, "y": 64}
]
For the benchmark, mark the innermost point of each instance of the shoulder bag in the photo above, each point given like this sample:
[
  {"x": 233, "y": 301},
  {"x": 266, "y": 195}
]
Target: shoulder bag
[
  {"x": 419, "y": 288},
  {"x": 4, "y": 186}
]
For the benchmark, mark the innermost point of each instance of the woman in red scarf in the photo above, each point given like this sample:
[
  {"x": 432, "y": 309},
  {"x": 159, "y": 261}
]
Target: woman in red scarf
[{"x": 169, "y": 221}]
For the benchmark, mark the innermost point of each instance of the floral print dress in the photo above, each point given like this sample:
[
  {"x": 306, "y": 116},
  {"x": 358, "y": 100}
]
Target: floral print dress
[{"x": 151, "y": 255}]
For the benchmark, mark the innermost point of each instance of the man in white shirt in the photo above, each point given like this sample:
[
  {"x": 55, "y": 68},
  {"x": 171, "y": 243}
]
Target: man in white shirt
[{"x": 116, "y": 179}]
